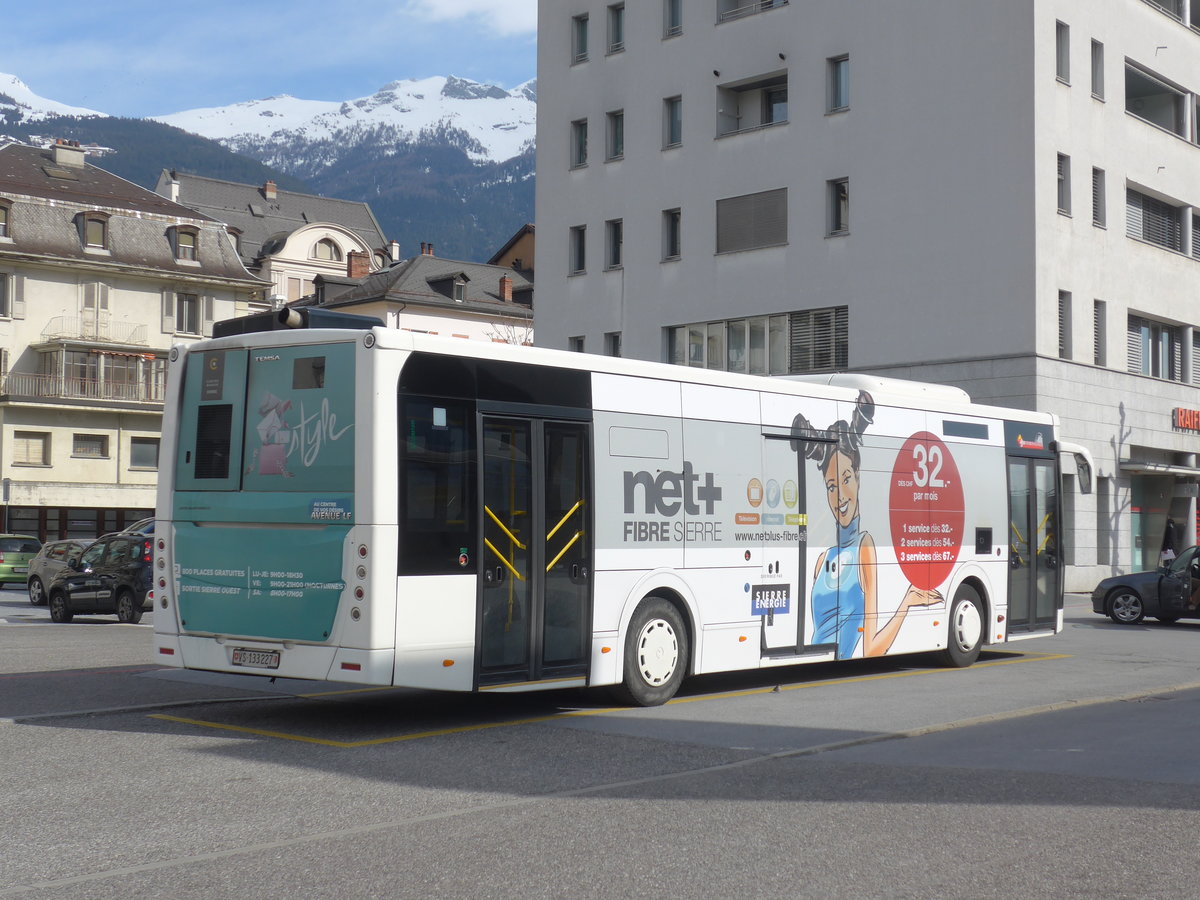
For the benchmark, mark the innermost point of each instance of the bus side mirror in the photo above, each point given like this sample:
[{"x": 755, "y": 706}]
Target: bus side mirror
[{"x": 1083, "y": 473}]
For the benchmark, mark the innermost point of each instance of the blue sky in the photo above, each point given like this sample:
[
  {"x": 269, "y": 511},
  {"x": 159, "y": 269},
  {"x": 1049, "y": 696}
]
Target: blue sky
[{"x": 145, "y": 58}]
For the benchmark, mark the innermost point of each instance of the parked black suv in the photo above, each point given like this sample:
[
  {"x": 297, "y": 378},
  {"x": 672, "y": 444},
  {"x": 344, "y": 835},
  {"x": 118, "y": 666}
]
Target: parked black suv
[{"x": 112, "y": 576}]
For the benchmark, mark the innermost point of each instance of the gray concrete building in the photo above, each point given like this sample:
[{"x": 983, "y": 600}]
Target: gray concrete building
[{"x": 1003, "y": 197}]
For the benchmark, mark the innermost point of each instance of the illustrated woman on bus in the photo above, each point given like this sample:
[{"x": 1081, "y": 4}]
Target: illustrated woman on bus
[{"x": 845, "y": 587}]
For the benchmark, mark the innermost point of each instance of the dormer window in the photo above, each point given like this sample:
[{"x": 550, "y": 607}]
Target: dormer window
[
  {"x": 235, "y": 238},
  {"x": 328, "y": 250},
  {"x": 452, "y": 285},
  {"x": 185, "y": 238},
  {"x": 93, "y": 230},
  {"x": 5, "y": 214}
]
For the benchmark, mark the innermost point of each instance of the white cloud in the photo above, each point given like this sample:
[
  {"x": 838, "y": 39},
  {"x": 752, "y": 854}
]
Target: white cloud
[{"x": 505, "y": 17}]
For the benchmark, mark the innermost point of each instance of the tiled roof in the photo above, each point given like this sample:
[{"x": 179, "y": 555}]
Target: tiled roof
[
  {"x": 32, "y": 171},
  {"x": 246, "y": 208},
  {"x": 139, "y": 223},
  {"x": 417, "y": 280}
]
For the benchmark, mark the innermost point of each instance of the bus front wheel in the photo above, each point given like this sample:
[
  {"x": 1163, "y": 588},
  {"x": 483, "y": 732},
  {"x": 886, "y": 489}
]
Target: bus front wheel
[
  {"x": 656, "y": 654},
  {"x": 965, "y": 628}
]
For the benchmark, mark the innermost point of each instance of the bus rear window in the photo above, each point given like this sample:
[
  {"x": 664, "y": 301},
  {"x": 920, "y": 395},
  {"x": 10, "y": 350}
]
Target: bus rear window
[
  {"x": 437, "y": 487},
  {"x": 213, "y": 434}
]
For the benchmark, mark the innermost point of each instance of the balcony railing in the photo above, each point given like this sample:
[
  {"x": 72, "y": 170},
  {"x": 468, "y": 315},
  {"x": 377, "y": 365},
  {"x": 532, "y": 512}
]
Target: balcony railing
[
  {"x": 20, "y": 384},
  {"x": 93, "y": 328},
  {"x": 736, "y": 9}
]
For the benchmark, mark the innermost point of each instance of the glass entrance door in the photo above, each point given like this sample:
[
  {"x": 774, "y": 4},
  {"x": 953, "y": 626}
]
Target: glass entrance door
[
  {"x": 1035, "y": 563},
  {"x": 535, "y": 583}
]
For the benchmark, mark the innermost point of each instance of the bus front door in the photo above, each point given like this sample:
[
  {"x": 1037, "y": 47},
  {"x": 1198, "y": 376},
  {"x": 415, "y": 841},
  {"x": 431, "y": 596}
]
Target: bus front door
[
  {"x": 535, "y": 561},
  {"x": 1035, "y": 566}
]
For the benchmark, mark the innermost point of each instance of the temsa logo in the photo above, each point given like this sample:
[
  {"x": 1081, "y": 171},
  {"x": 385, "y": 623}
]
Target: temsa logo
[{"x": 667, "y": 492}]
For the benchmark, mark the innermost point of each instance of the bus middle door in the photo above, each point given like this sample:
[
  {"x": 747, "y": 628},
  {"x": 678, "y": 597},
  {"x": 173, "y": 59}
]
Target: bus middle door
[{"x": 535, "y": 531}]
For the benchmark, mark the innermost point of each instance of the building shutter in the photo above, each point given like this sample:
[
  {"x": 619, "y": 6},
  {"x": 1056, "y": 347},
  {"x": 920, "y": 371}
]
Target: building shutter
[
  {"x": 208, "y": 303},
  {"x": 1133, "y": 348},
  {"x": 168, "y": 312},
  {"x": 1176, "y": 355},
  {"x": 819, "y": 340},
  {"x": 18, "y": 298},
  {"x": 1149, "y": 219},
  {"x": 752, "y": 220}
]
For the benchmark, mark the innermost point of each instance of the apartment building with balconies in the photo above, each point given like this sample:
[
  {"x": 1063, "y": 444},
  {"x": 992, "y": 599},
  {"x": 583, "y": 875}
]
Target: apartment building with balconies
[
  {"x": 98, "y": 279},
  {"x": 999, "y": 196}
]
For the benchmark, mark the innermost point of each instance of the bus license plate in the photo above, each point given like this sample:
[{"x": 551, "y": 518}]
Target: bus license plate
[{"x": 255, "y": 659}]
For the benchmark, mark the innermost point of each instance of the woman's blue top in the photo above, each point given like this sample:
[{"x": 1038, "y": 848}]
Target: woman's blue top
[{"x": 838, "y": 601}]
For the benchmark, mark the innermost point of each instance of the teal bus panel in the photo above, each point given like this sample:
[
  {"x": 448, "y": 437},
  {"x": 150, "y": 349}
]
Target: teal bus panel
[
  {"x": 272, "y": 583},
  {"x": 299, "y": 434},
  {"x": 316, "y": 508}
]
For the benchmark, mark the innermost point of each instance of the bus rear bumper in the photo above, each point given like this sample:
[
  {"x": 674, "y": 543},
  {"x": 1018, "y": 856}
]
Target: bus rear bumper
[{"x": 299, "y": 661}]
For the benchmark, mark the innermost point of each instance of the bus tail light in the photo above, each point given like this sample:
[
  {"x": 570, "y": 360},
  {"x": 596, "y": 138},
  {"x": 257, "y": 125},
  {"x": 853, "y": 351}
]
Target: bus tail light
[
  {"x": 352, "y": 667},
  {"x": 167, "y": 651}
]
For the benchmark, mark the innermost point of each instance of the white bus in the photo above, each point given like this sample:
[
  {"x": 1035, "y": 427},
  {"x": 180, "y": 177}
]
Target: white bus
[{"x": 354, "y": 503}]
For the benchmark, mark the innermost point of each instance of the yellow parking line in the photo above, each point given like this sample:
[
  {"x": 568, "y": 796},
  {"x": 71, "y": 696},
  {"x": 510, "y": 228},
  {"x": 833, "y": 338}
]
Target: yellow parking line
[{"x": 536, "y": 720}]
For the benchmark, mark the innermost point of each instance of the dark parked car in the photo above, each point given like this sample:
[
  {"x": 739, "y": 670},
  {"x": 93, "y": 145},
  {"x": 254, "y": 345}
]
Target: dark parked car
[
  {"x": 1165, "y": 593},
  {"x": 51, "y": 560},
  {"x": 16, "y": 550},
  {"x": 111, "y": 576}
]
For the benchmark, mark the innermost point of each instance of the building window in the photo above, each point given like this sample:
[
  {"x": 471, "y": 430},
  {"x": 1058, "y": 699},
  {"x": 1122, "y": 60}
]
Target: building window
[
  {"x": 578, "y": 249},
  {"x": 143, "y": 453},
  {"x": 1099, "y": 332},
  {"x": 579, "y": 39},
  {"x": 805, "y": 341},
  {"x": 839, "y": 206},
  {"x": 1099, "y": 200},
  {"x": 187, "y": 313},
  {"x": 775, "y": 105},
  {"x": 579, "y": 136},
  {"x": 614, "y": 239},
  {"x": 185, "y": 239},
  {"x": 1097, "y": 70},
  {"x": 93, "y": 230},
  {"x": 5, "y": 213},
  {"x": 1152, "y": 220},
  {"x": 839, "y": 83},
  {"x": 31, "y": 448},
  {"x": 671, "y": 221},
  {"x": 752, "y": 221},
  {"x": 752, "y": 103},
  {"x": 672, "y": 18},
  {"x": 1062, "y": 44},
  {"x": 1173, "y": 8},
  {"x": 672, "y": 121},
  {"x": 612, "y": 343},
  {"x": 616, "y": 28},
  {"x": 1155, "y": 101},
  {"x": 735, "y": 9},
  {"x": 5, "y": 298},
  {"x": 575, "y": 344},
  {"x": 1155, "y": 349},
  {"x": 615, "y": 141},
  {"x": 90, "y": 446},
  {"x": 1064, "y": 184},
  {"x": 328, "y": 250},
  {"x": 1064, "y": 324}
]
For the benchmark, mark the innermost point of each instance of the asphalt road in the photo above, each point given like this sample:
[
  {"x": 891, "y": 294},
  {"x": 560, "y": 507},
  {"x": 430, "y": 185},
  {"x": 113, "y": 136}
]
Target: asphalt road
[{"x": 1062, "y": 767}]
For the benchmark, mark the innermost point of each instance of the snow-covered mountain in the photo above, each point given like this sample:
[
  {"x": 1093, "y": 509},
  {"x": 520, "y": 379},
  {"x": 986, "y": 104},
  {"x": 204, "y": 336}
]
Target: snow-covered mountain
[
  {"x": 487, "y": 122},
  {"x": 441, "y": 159},
  {"x": 19, "y": 104}
]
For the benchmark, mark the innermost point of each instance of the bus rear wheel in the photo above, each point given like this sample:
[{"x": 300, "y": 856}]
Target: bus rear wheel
[
  {"x": 965, "y": 636},
  {"x": 656, "y": 654}
]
